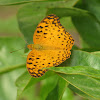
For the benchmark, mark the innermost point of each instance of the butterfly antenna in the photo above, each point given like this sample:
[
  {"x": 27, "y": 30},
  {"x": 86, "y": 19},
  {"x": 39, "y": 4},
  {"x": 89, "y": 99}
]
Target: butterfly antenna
[
  {"x": 16, "y": 50},
  {"x": 21, "y": 35}
]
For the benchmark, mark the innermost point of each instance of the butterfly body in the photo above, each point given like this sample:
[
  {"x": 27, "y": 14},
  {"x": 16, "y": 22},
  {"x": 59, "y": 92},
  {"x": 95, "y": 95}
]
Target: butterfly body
[
  {"x": 52, "y": 45},
  {"x": 35, "y": 46}
]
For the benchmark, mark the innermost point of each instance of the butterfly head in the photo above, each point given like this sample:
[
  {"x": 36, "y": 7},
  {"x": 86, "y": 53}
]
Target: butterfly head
[{"x": 29, "y": 46}]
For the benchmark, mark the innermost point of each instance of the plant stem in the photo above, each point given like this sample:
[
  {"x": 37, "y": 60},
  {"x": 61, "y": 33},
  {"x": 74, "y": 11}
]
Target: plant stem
[{"x": 8, "y": 69}]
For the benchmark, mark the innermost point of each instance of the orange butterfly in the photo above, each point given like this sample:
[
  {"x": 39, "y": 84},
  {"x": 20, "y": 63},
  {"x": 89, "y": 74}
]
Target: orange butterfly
[{"x": 52, "y": 45}]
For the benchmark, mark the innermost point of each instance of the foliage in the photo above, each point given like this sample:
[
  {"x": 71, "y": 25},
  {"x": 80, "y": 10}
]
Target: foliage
[{"x": 80, "y": 73}]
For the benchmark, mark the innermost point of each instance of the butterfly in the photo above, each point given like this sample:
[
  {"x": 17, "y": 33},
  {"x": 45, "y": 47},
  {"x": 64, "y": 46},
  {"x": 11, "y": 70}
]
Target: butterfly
[{"x": 52, "y": 45}]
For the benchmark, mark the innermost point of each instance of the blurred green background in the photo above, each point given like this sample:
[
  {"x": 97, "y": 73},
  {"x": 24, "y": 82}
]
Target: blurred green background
[{"x": 18, "y": 21}]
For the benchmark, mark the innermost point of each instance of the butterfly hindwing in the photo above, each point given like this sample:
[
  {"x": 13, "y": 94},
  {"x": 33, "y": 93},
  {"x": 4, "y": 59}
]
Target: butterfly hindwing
[{"x": 37, "y": 60}]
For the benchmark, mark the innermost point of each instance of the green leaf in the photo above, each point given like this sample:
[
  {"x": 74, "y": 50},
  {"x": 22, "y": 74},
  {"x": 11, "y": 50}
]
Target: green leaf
[
  {"x": 53, "y": 95},
  {"x": 90, "y": 49},
  {"x": 87, "y": 28},
  {"x": 21, "y": 82},
  {"x": 76, "y": 90},
  {"x": 82, "y": 58},
  {"x": 30, "y": 15},
  {"x": 5, "y": 70},
  {"x": 15, "y": 59},
  {"x": 68, "y": 94},
  {"x": 64, "y": 12},
  {"x": 9, "y": 26},
  {"x": 30, "y": 93},
  {"x": 8, "y": 63},
  {"x": 16, "y": 2},
  {"x": 80, "y": 70},
  {"x": 93, "y": 6},
  {"x": 89, "y": 24},
  {"x": 47, "y": 86},
  {"x": 7, "y": 84},
  {"x": 57, "y": 92},
  {"x": 96, "y": 53},
  {"x": 25, "y": 81},
  {"x": 90, "y": 86},
  {"x": 62, "y": 85}
]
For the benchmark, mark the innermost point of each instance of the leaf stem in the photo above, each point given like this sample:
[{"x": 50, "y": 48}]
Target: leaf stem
[{"x": 8, "y": 69}]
